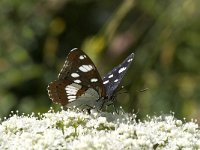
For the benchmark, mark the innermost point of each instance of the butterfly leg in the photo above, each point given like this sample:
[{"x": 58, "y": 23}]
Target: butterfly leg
[
  {"x": 103, "y": 99},
  {"x": 116, "y": 110},
  {"x": 101, "y": 107},
  {"x": 87, "y": 108},
  {"x": 114, "y": 104}
]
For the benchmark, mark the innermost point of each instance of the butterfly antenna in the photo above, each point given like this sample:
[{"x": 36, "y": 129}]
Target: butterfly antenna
[
  {"x": 115, "y": 107},
  {"x": 119, "y": 91},
  {"x": 143, "y": 90}
]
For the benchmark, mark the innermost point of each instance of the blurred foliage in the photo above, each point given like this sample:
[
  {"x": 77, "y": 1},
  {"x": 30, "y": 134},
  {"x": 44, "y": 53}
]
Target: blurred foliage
[{"x": 36, "y": 37}]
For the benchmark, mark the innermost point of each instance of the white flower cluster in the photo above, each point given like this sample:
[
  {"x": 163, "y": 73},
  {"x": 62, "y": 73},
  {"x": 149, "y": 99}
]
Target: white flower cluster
[{"x": 74, "y": 129}]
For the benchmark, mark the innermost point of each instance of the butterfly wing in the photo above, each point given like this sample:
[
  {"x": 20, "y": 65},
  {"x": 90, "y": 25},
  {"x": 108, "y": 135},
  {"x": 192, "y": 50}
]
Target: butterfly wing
[
  {"x": 113, "y": 78},
  {"x": 78, "y": 81}
]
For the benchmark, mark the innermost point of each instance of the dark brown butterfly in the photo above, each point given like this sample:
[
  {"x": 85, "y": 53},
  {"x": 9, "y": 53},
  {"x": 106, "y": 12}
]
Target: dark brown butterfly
[{"x": 79, "y": 83}]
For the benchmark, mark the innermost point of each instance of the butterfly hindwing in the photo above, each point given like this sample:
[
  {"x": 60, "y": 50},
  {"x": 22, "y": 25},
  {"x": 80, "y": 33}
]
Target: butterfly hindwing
[
  {"x": 113, "y": 78},
  {"x": 57, "y": 92}
]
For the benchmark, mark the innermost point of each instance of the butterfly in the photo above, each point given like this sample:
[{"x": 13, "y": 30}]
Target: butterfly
[{"x": 79, "y": 83}]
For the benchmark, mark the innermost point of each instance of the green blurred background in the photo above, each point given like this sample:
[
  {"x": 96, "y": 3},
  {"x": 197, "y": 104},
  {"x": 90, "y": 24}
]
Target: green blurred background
[{"x": 36, "y": 37}]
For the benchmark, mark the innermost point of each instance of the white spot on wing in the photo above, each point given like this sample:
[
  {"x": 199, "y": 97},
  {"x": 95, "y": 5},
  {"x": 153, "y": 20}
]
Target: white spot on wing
[
  {"x": 71, "y": 92},
  {"x": 74, "y": 86},
  {"x": 82, "y": 57},
  {"x": 74, "y": 49},
  {"x": 85, "y": 68},
  {"x": 77, "y": 81},
  {"x": 82, "y": 69},
  {"x": 130, "y": 59},
  {"x": 110, "y": 76},
  {"x": 71, "y": 97},
  {"x": 105, "y": 82},
  {"x": 116, "y": 80},
  {"x": 72, "y": 89},
  {"x": 93, "y": 80},
  {"x": 121, "y": 69},
  {"x": 75, "y": 75},
  {"x": 71, "y": 100}
]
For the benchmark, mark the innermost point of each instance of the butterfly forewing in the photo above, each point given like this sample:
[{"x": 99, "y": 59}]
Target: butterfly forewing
[
  {"x": 113, "y": 78},
  {"x": 78, "y": 79}
]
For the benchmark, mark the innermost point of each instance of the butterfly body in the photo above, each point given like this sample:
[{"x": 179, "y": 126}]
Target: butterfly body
[{"x": 79, "y": 83}]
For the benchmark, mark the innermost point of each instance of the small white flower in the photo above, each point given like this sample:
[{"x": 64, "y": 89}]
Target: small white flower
[{"x": 74, "y": 129}]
